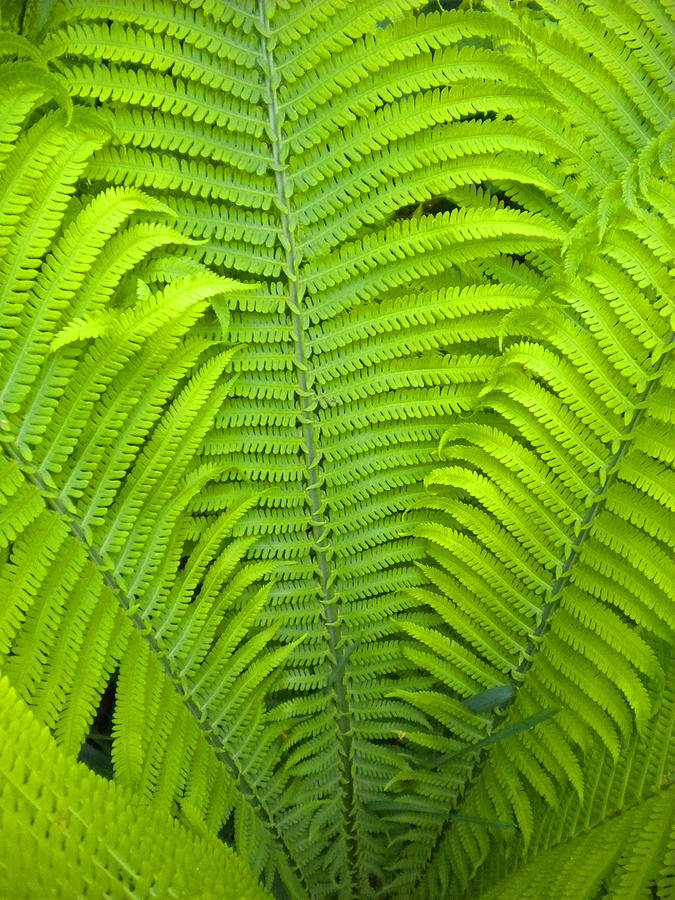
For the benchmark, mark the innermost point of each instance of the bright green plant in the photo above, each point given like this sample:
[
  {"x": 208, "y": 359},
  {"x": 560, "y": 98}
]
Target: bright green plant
[
  {"x": 90, "y": 837},
  {"x": 335, "y": 396}
]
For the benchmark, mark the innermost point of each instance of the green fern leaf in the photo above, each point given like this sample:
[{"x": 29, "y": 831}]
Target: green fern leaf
[
  {"x": 100, "y": 837},
  {"x": 409, "y": 490}
]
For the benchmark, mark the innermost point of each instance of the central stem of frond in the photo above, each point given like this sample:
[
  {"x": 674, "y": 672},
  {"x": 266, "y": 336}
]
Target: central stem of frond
[{"x": 318, "y": 522}]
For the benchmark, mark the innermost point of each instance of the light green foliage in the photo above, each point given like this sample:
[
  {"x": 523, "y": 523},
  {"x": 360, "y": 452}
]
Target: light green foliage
[
  {"x": 379, "y": 547},
  {"x": 68, "y": 833},
  {"x": 632, "y": 848}
]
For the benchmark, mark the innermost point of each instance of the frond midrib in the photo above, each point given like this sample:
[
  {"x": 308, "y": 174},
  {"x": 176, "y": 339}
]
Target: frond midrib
[{"x": 314, "y": 479}]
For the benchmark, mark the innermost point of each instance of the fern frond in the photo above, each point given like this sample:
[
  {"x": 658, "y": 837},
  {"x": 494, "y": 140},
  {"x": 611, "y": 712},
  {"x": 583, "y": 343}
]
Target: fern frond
[
  {"x": 624, "y": 853},
  {"x": 543, "y": 492},
  {"x": 92, "y": 835}
]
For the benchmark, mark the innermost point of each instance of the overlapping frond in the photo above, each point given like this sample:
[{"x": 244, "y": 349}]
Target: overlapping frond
[
  {"x": 617, "y": 837},
  {"x": 618, "y": 857},
  {"x": 92, "y": 837}
]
